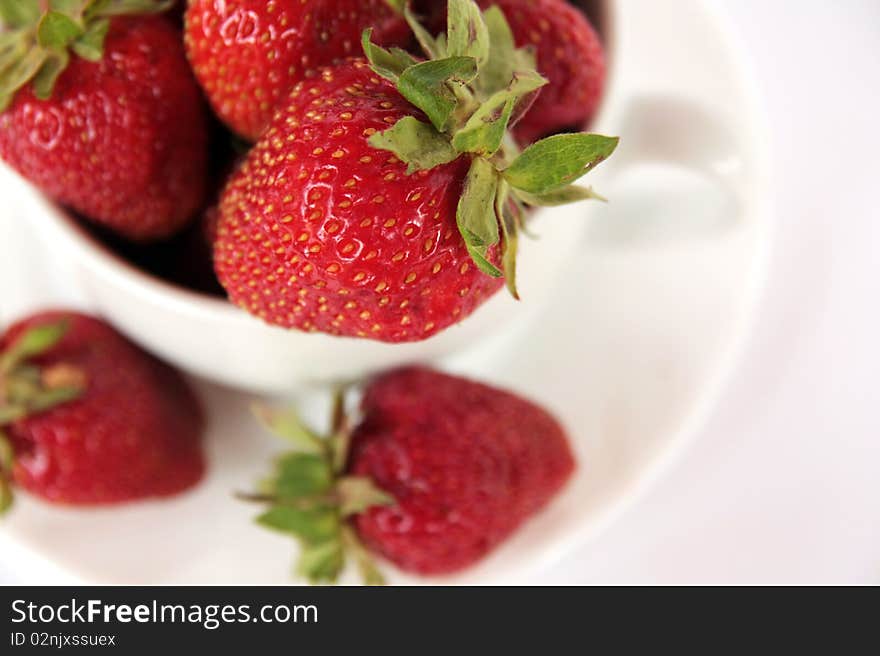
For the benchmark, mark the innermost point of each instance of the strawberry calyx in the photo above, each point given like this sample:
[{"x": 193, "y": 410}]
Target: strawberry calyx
[
  {"x": 37, "y": 38},
  {"x": 26, "y": 389},
  {"x": 473, "y": 87},
  {"x": 310, "y": 497},
  {"x": 397, "y": 6}
]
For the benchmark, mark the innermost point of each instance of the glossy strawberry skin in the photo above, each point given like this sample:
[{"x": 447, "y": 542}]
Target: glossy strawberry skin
[
  {"x": 122, "y": 141},
  {"x": 466, "y": 463},
  {"x": 247, "y": 54},
  {"x": 134, "y": 433},
  {"x": 322, "y": 232},
  {"x": 569, "y": 54}
]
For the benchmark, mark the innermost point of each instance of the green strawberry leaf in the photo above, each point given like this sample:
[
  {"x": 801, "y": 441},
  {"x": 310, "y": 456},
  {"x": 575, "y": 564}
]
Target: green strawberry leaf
[
  {"x": 17, "y": 74},
  {"x": 358, "y": 493},
  {"x": 312, "y": 526},
  {"x": 417, "y": 144},
  {"x": 18, "y": 63},
  {"x": 35, "y": 341},
  {"x": 73, "y": 9},
  {"x": 6, "y": 496},
  {"x": 526, "y": 58},
  {"x": 478, "y": 255},
  {"x": 10, "y": 413},
  {"x": 90, "y": 46},
  {"x": 57, "y": 30},
  {"x": 369, "y": 573},
  {"x": 109, "y": 8},
  {"x": 49, "y": 398},
  {"x": 428, "y": 86},
  {"x": 476, "y": 210},
  {"x": 287, "y": 424},
  {"x": 45, "y": 79},
  {"x": 339, "y": 419},
  {"x": 7, "y": 457},
  {"x": 476, "y": 218},
  {"x": 466, "y": 32},
  {"x": 484, "y": 132},
  {"x": 485, "y": 129},
  {"x": 500, "y": 65},
  {"x": 557, "y": 161},
  {"x": 302, "y": 475},
  {"x": 390, "y": 64},
  {"x": 398, "y": 6},
  {"x": 322, "y": 562},
  {"x": 309, "y": 497},
  {"x": 7, "y": 453},
  {"x": 55, "y": 26},
  {"x": 13, "y": 44},
  {"x": 442, "y": 48},
  {"x": 561, "y": 196},
  {"x": 504, "y": 57},
  {"x": 340, "y": 445},
  {"x": 505, "y": 210},
  {"x": 427, "y": 42},
  {"x": 19, "y": 13}
]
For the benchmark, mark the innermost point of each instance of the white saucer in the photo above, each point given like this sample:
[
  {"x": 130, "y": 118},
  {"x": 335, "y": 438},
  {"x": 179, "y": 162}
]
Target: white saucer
[{"x": 630, "y": 353}]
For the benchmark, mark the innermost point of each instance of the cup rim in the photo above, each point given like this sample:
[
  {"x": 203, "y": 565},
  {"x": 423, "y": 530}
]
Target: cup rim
[{"x": 124, "y": 274}]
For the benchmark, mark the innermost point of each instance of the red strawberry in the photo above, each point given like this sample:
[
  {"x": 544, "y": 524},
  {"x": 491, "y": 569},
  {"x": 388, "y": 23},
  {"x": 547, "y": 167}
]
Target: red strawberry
[
  {"x": 569, "y": 54},
  {"x": 323, "y": 232},
  {"x": 466, "y": 463},
  {"x": 441, "y": 471},
  {"x": 383, "y": 200},
  {"x": 247, "y": 54},
  {"x": 91, "y": 418},
  {"x": 120, "y": 135}
]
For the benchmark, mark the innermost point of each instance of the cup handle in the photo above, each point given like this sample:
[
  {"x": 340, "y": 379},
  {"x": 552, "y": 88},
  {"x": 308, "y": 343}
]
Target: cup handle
[
  {"x": 677, "y": 175},
  {"x": 680, "y": 132}
]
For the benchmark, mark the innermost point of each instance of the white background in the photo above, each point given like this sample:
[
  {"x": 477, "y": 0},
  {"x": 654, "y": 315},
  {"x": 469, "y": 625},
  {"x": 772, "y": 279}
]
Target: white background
[{"x": 783, "y": 485}]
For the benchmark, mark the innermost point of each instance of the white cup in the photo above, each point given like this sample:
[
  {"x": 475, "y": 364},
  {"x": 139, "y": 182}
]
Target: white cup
[{"x": 209, "y": 337}]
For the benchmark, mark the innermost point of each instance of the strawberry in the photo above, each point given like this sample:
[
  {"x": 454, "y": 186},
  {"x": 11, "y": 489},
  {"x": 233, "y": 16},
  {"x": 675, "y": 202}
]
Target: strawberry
[
  {"x": 569, "y": 54},
  {"x": 321, "y": 231},
  {"x": 247, "y": 54},
  {"x": 113, "y": 125},
  {"x": 437, "y": 473},
  {"x": 384, "y": 200},
  {"x": 86, "y": 417}
]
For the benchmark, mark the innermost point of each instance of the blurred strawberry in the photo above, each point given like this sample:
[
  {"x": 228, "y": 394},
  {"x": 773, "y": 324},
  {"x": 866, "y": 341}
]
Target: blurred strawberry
[
  {"x": 101, "y": 112},
  {"x": 88, "y": 418},
  {"x": 441, "y": 470}
]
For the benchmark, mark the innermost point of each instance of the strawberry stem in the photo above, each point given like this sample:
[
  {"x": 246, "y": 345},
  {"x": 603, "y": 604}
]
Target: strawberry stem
[
  {"x": 27, "y": 390},
  {"x": 312, "y": 499},
  {"x": 6, "y": 462}
]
